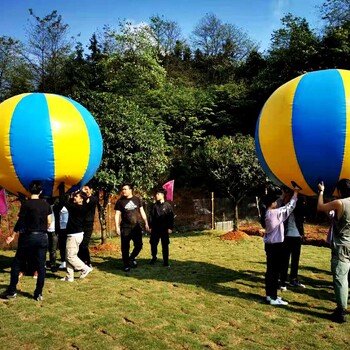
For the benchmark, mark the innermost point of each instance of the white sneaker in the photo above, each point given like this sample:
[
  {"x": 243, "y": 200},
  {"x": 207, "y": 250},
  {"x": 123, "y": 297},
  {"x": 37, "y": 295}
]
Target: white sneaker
[
  {"x": 85, "y": 272},
  {"x": 268, "y": 299},
  {"x": 283, "y": 288},
  {"x": 278, "y": 302},
  {"x": 67, "y": 279},
  {"x": 63, "y": 265}
]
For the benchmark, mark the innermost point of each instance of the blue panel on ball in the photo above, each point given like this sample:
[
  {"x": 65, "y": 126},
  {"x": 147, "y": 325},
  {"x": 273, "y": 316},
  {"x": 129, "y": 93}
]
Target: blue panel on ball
[
  {"x": 32, "y": 157},
  {"x": 95, "y": 142},
  {"x": 320, "y": 157},
  {"x": 261, "y": 158}
]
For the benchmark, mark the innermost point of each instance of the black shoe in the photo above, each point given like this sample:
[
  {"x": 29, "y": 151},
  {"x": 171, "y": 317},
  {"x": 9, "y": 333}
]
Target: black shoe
[
  {"x": 133, "y": 263},
  {"x": 127, "y": 268},
  {"x": 166, "y": 264},
  {"x": 8, "y": 295},
  {"x": 339, "y": 315},
  {"x": 54, "y": 269},
  {"x": 153, "y": 261}
]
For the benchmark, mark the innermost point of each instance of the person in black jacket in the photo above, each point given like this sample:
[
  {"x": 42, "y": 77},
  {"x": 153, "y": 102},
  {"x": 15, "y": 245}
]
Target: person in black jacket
[
  {"x": 35, "y": 214},
  {"x": 84, "y": 253},
  {"x": 77, "y": 210},
  {"x": 161, "y": 224}
]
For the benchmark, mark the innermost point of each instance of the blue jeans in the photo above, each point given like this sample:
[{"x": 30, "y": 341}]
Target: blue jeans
[{"x": 31, "y": 247}]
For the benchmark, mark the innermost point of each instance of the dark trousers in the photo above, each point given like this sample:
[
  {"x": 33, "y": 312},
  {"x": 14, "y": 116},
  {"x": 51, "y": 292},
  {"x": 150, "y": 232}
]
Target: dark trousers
[
  {"x": 62, "y": 241},
  {"x": 154, "y": 240},
  {"x": 292, "y": 248},
  {"x": 130, "y": 234},
  {"x": 274, "y": 260},
  {"x": 31, "y": 247},
  {"x": 84, "y": 253},
  {"x": 52, "y": 247}
]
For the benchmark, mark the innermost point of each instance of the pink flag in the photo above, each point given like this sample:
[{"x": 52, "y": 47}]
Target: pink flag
[
  {"x": 169, "y": 187},
  {"x": 3, "y": 203}
]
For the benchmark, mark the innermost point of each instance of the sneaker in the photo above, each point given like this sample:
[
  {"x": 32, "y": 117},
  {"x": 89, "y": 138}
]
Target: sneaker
[
  {"x": 153, "y": 261},
  {"x": 54, "y": 268},
  {"x": 85, "y": 272},
  {"x": 268, "y": 299},
  {"x": 339, "y": 315},
  {"x": 127, "y": 268},
  {"x": 35, "y": 275},
  {"x": 166, "y": 264},
  {"x": 63, "y": 265},
  {"x": 67, "y": 279},
  {"x": 278, "y": 302},
  {"x": 8, "y": 295},
  {"x": 38, "y": 297},
  {"x": 296, "y": 283},
  {"x": 133, "y": 263},
  {"x": 283, "y": 288}
]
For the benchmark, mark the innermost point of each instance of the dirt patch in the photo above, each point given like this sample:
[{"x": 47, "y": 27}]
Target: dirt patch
[
  {"x": 234, "y": 236},
  {"x": 105, "y": 248},
  {"x": 315, "y": 234}
]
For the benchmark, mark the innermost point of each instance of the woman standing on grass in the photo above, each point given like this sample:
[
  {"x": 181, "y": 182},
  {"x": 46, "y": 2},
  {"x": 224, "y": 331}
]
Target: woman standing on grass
[{"x": 273, "y": 239}]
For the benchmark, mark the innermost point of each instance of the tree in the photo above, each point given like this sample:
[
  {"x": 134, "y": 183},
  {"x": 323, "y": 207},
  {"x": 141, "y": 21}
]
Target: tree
[
  {"x": 134, "y": 148},
  {"x": 134, "y": 68},
  {"x": 231, "y": 166},
  {"x": 166, "y": 34},
  {"x": 219, "y": 47},
  {"x": 15, "y": 76},
  {"x": 336, "y": 12},
  {"x": 214, "y": 38},
  {"x": 294, "y": 50},
  {"x": 48, "y": 49}
]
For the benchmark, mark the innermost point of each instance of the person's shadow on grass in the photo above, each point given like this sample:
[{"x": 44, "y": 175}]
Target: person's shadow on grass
[{"x": 246, "y": 284}]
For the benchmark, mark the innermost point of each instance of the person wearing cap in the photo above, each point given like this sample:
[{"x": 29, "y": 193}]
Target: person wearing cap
[
  {"x": 273, "y": 239},
  {"x": 161, "y": 224},
  {"x": 340, "y": 246},
  {"x": 293, "y": 233}
]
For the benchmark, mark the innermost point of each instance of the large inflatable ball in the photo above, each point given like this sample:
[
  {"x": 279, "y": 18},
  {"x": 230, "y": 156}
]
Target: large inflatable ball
[
  {"x": 49, "y": 138},
  {"x": 303, "y": 131}
]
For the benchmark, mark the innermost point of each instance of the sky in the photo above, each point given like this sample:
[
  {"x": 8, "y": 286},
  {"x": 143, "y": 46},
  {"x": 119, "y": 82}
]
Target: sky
[{"x": 258, "y": 18}]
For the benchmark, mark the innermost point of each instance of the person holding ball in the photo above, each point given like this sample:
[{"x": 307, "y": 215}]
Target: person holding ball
[
  {"x": 273, "y": 239},
  {"x": 340, "y": 245}
]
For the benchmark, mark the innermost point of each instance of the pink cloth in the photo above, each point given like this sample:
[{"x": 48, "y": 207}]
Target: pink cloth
[
  {"x": 3, "y": 203},
  {"x": 169, "y": 187}
]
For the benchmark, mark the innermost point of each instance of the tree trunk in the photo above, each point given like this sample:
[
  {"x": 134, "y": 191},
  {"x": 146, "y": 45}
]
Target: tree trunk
[
  {"x": 102, "y": 213},
  {"x": 235, "y": 216}
]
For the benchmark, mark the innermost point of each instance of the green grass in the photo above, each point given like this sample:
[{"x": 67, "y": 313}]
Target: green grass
[{"x": 210, "y": 298}]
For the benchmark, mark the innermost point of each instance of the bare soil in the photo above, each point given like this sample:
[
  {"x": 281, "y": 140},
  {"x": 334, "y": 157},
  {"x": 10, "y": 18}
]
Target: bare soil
[{"x": 314, "y": 234}]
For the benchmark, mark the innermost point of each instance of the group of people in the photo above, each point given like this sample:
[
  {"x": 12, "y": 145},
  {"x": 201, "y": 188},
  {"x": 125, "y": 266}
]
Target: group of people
[
  {"x": 283, "y": 222},
  {"x": 129, "y": 211},
  {"x": 74, "y": 225}
]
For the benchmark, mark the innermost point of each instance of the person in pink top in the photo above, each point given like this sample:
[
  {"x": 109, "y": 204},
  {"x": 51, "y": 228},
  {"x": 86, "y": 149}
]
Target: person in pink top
[{"x": 273, "y": 239}]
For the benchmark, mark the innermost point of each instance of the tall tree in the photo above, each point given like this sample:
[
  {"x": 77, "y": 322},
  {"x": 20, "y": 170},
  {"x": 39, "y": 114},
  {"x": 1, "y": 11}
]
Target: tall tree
[
  {"x": 48, "y": 49},
  {"x": 134, "y": 68},
  {"x": 213, "y": 38},
  {"x": 166, "y": 34},
  {"x": 134, "y": 148}
]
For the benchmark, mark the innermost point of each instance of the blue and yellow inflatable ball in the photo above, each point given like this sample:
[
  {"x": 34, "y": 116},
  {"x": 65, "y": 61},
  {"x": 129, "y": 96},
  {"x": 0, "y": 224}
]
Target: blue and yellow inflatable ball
[
  {"x": 303, "y": 131},
  {"x": 49, "y": 138}
]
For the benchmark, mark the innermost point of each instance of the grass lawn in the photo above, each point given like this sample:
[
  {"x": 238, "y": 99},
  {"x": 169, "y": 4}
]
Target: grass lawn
[{"x": 210, "y": 298}]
